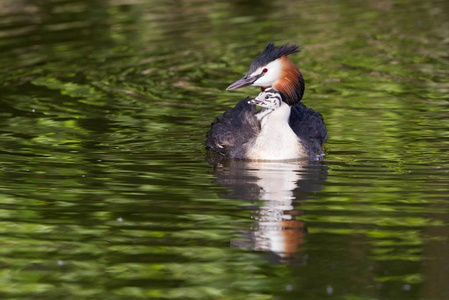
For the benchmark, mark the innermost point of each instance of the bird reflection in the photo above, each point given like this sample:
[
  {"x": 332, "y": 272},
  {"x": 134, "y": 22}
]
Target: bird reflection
[{"x": 280, "y": 186}]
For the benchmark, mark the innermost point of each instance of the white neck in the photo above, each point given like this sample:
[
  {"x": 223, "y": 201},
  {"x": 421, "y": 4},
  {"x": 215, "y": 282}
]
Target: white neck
[
  {"x": 278, "y": 115},
  {"x": 276, "y": 140}
]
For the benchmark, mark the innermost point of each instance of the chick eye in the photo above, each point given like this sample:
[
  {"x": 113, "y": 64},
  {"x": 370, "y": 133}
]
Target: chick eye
[
  {"x": 265, "y": 70},
  {"x": 266, "y": 97}
]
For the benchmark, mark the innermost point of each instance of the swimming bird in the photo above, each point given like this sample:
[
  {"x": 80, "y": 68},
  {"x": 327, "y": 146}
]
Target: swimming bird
[{"x": 286, "y": 132}]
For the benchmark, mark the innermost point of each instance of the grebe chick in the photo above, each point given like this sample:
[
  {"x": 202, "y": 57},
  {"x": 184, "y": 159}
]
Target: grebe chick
[
  {"x": 270, "y": 99},
  {"x": 234, "y": 133},
  {"x": 276, "y": 139}
]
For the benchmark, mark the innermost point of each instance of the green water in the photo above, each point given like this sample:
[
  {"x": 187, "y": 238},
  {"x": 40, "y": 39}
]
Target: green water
[{"x": 106, "y": 191}]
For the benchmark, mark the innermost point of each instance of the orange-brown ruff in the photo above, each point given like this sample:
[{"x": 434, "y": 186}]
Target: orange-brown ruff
[
  {"x": 240, "y": 131},
  {"x": 290, "y": 84}
]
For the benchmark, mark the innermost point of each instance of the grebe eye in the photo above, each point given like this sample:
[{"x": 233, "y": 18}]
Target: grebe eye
[
  {"x": 266, "y": 97},
  {"x": 265, "y": 70}
]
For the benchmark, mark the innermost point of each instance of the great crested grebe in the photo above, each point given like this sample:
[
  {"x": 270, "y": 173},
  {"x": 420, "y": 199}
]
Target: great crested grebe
[{"x": 286, "y": 130}]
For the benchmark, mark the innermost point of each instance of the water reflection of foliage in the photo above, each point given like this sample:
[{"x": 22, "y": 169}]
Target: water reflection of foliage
[{"x": 104, "y": 107}]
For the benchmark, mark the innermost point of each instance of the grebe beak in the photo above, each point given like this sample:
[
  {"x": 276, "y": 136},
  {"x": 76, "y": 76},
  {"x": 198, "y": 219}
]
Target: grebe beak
[{"x": 245, "y": 81}]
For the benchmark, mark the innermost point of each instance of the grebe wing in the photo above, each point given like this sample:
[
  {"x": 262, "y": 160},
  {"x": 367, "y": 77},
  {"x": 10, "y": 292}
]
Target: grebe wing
[
  {"x": 231, "y": 131},
  {"x": 309, "y": 127}
]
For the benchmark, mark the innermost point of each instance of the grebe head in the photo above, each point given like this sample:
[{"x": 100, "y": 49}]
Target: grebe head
[
  {"x": 274, "y": 69},
  {"x": 270, "y": 98},
  {"x": 274, "y": 108}
]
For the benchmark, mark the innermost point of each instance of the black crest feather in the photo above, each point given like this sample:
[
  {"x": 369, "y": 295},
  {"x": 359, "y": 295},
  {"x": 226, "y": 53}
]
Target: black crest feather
[{"x": 271, "y": 53}]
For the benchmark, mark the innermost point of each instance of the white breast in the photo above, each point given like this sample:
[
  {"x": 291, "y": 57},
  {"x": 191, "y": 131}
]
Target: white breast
[{"x": 276, "y": 140}]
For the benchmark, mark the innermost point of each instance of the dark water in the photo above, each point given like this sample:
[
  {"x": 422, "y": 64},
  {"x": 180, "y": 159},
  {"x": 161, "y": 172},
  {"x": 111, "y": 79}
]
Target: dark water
[{"x": 106, "y": 191}]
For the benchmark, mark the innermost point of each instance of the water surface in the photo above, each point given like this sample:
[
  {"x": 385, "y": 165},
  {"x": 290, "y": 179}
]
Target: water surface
[{"x": 107, "y": 192}]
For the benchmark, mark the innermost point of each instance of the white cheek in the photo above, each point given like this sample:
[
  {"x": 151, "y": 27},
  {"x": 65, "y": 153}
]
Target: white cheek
[
  {"x": 273, "y": 74},
  {"x": 266, "y": 80}
]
